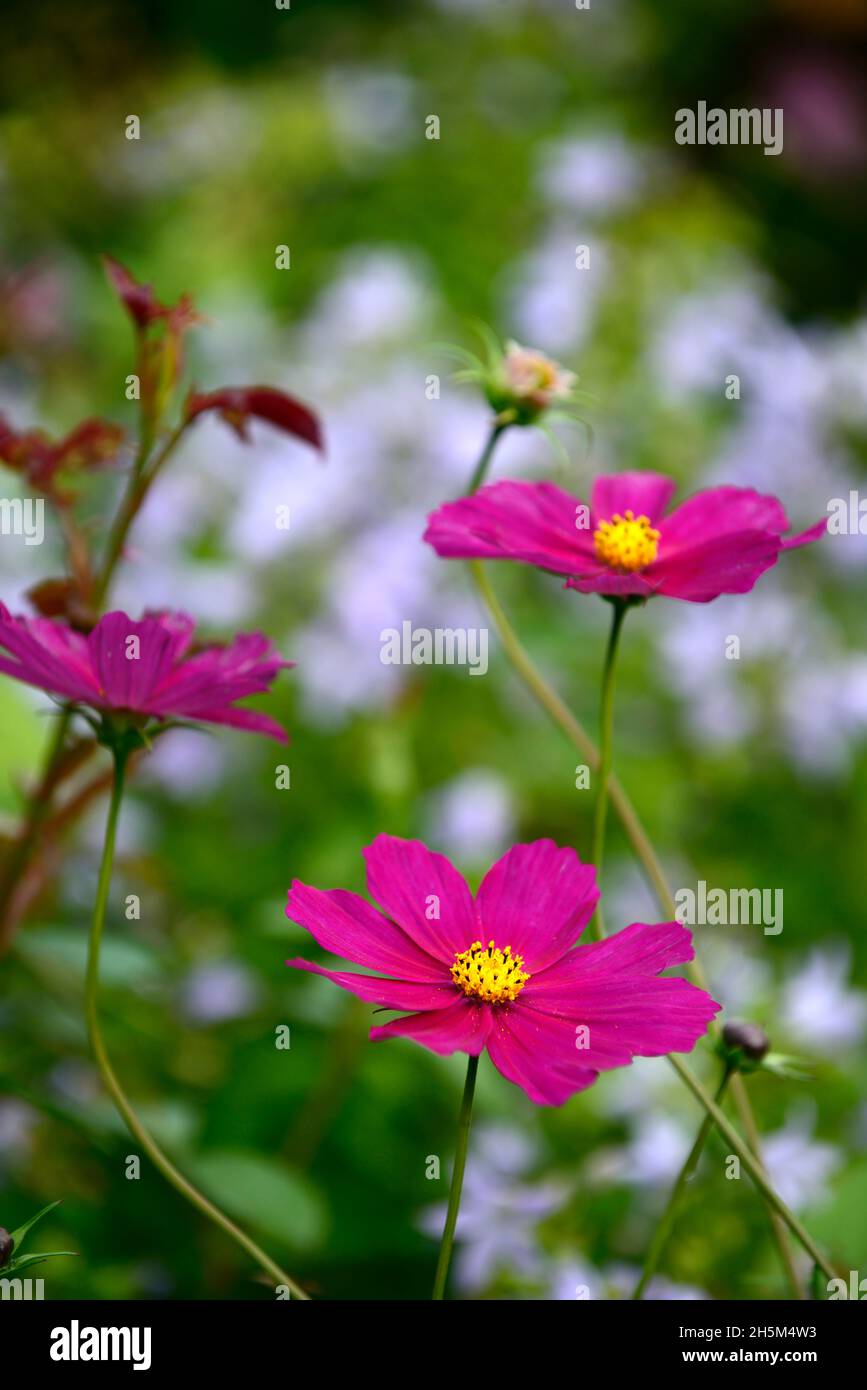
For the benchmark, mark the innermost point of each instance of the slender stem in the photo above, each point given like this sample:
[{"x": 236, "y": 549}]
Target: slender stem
[
  {"x": 666, "y": 1221},
  {"x": 91, "y": 993},
  {"x": 447, "y": 1242},
  {"x": 606, "y": 734},
  {"x": 778, "y": 1227},
  {"x": 141, "y": 479},
  {"x": 486, "y": 455},
  {"x": 563, "y": 717},
  {"x": 753, "y": 1167}
]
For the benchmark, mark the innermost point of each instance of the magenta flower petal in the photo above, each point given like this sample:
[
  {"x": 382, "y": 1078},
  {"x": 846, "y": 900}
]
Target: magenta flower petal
[
  {"x": 537, "y": 899},
  {"x": 721, "y": 511},
  {"x": 640, "y": 949},
  {"x": 503, "y": 972},
  {"x": 462, "y": 1027},
  {"x": 141, "y": 668},
  {"x": 47, "y": 655},
  {"x": 348, "y": 926},
  {"x": 388, "y": 994},
  {"x": 532, "y": 522},
  {"x": 528, "y": 1049},
  {"x": 644, "y": 494},
  {"x": 718, "y": 542},
  {"x": 424, "y": 894},
  {"x": 722, "y": 565},
  {"x": 812, "y": 533}
]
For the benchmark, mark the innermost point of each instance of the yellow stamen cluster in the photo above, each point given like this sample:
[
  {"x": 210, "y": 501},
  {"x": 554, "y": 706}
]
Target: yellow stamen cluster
[
  {"x": 627, "y": 542},
  {"x": 489, "y": 973}
]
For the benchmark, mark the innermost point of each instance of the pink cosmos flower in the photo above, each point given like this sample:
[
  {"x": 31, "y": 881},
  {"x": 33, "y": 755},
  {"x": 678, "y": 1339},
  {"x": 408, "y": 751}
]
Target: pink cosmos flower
[
  {"x": 145, "y": 669},
  {"x": 624, "y": 544},
  {"x": 501, "y": 971}
]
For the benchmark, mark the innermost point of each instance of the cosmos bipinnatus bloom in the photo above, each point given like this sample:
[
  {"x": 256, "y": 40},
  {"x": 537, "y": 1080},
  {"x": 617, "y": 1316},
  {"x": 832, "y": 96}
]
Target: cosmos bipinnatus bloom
[
  {"x": 625, "y": 544},
  {"x": 500, "y": 971}
]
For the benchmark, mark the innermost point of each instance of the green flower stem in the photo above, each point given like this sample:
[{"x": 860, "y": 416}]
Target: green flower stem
[
  {"x": 140, "y": 481},
  {"x": 563, "y": 717},
  {"x": 606, "y": 739},
  {"x": 447, "y": 1242},
  {"x": 481, "y": 468},
  {"x": 753, "y": 1167},
  {"x": 113, "y": 1086},
  {"x": 666, "y": 1221}
]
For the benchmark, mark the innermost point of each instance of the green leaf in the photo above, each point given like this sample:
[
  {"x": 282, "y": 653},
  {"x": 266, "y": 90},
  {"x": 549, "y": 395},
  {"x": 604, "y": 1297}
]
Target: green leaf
[
  {"x": 28, "y": 1261},
  {"x": 21, "y": 1231},
  {"x": 264, "y": 1192}
]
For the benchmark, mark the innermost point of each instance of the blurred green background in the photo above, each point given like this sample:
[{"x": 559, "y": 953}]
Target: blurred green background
[{"x": 306, "y": 128}]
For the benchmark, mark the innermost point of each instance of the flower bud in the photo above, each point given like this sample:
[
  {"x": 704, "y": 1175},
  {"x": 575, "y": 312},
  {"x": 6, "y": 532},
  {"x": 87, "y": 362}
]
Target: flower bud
[
  {"x": 7, "y": 1245},
  {"x": 747, "y": 1038}
]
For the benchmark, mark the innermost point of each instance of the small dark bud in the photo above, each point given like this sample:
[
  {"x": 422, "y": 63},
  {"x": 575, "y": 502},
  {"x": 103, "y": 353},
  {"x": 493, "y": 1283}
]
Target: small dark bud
[
  {"x": 748, "y": 1038},
  {"x": 7, "y": 1245}
]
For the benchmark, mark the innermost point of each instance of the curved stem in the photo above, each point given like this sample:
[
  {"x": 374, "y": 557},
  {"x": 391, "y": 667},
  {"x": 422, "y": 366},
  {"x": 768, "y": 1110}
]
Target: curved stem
[
  {"x": 113, "y": 1086},
  {"x": 447, "y": 1242},
  {"x": 666, "y": 1221},
  {"x": 606, "y": 732}
]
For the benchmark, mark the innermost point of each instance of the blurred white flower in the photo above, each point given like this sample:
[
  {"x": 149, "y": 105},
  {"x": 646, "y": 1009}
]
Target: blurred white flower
[
  {"x": 551, "y": 301},
  {"x": 599, "y": 173},
  {"x": 218, "y": 991},
  {"x": 800, "y": 1166},
  {"x": 819, "y": 1009},
  {"x": 472, "y": 818}
]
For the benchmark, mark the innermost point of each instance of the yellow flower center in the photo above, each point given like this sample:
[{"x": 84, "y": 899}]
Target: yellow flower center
[
  {"x": 626, "y": 542},
  {"x": 489, "y": 973}
]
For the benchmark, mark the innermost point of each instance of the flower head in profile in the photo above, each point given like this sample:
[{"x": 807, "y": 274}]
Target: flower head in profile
[
  {"x": 145, "y": 671},
  {"x": 501, "y": 970},
  {"x": 521, "y": 384},
  {"x": 625, "y": 544},
  {"x": 525, "y": 379}
]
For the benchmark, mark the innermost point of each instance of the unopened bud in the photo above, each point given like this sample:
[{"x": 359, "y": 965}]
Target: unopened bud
[
  {"x": 748, "y": 1038},
  {"x": 7, "y": 1245}
]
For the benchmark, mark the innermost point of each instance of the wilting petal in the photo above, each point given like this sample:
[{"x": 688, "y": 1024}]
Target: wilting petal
[
  {"x": 537, "y": 899},
  {"x": 462, "y": 1027},
  {"x": 388, "y": 994},
  {"x": 424, "y": 893},
  {"x": 348, "y": 926}
]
